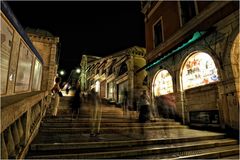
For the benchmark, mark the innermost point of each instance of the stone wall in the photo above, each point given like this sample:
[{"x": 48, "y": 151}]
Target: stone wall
[{"x": 47, "y": 47}]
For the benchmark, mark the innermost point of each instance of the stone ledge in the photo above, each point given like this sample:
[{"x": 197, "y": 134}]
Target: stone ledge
[{"x": 13, "y": 107}]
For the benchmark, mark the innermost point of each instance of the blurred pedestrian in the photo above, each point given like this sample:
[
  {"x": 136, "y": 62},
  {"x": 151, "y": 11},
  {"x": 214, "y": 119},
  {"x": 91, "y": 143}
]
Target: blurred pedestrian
[
  {"x": 67, "y": 88},
  {"x": 144, "y": 111},
  {"x": 96, "y": 113},
  {"x": 56, "y": 94},
  {"x": 75, "y": 103}
]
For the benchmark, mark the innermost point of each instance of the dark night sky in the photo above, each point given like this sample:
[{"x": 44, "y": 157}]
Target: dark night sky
[{"x": 95, "y": 28}]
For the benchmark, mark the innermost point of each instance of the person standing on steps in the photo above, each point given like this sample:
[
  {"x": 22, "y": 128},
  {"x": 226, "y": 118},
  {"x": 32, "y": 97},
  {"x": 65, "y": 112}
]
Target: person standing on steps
[
  {"x": 55, "y": 91},
  {"x": 144, "y": 111},
  {"x": 96, "y": 113}
]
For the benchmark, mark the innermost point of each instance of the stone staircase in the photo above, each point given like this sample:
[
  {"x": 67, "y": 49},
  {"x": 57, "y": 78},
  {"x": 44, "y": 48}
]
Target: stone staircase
[{"x": 121, "y": 137}]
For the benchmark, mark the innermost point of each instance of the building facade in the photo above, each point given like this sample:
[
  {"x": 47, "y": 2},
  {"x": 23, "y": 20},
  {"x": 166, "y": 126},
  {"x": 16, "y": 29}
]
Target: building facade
[
  {"x": 47, "y": 45},
  {"x": 112, "y": 75},
  {"x": 193, "y": 60}
]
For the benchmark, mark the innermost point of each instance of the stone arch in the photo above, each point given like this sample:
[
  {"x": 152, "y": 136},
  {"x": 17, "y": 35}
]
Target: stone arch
[
  {"x": 166, "y": 79},
  {"x": 187, "y": 102},
  {"x": 234, "y": 57},
  {"x": 163, "y": 94}
]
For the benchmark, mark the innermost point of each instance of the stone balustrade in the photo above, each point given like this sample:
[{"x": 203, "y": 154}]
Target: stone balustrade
[{"x": 21, "y": 117}]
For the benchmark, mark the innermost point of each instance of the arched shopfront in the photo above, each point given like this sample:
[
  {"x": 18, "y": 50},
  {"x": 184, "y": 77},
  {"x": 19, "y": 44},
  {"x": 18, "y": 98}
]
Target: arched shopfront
[
  {"x": 198, "y": 70},
  {"x": 164, "y": 98},
  {"x": 199, "y": 77}
]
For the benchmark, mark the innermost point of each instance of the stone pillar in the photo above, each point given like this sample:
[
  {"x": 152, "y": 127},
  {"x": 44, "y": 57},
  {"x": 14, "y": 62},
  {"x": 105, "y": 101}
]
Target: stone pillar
[
  {"x": 180, "y": 106},
  {"x": 26, "y": 125},
  {"x": 16, "y": 137},
  {"x": 10, "y": 144},
  {"x": 20, "y": 130},
  {"x": 52, "y": 67},
  {"x": 114, "y": 90},
  {"x": 131, "y": 80}
]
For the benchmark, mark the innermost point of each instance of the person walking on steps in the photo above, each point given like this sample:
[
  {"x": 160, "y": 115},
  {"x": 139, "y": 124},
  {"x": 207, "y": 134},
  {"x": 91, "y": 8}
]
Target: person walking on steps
[
  {"x": 96, "y": 113},
  {"x": 56, "y": 93},
  {"x": 144, "y": 111}
]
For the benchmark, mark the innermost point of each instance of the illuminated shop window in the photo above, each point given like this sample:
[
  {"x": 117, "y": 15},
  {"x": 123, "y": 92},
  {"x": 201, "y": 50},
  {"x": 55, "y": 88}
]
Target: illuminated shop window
[
  {"x": 110, "y": 89},
  {"x": 37, "y": 76},
  {"x": 199, "y": 70},
  {"x": 162, "y": 83},
  {"x": 97, "y": 88}
]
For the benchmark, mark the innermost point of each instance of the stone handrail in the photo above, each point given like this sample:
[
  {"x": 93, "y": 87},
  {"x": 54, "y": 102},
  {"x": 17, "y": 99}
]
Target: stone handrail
[{"x": 21, "y": 115}]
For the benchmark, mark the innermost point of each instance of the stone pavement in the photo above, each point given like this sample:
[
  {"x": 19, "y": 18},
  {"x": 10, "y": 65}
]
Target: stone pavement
[{"x": 123, "y": 137}]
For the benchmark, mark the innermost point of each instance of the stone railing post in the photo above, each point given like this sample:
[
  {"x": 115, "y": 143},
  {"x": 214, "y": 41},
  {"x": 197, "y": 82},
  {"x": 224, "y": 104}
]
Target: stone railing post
[
  {"x": 4, "y": 152},
  {"x": 20, "y": 131},
  {"x": 10, "y": 144},
  {"x": 26, "y": 126},
  {"x": 16, "y": 137}
]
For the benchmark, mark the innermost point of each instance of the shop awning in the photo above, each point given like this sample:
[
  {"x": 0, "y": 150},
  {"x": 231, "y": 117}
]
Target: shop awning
[{"x": 196, "y": 36}]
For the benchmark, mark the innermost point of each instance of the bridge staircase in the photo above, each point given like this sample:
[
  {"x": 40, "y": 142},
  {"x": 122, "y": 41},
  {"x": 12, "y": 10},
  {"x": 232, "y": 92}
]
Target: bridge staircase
[{"x": 123, "y": 137}]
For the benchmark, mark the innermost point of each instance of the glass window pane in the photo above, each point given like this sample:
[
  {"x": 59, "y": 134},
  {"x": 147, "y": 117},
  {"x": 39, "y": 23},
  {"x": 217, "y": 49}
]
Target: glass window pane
[
  {"x": 162, "y": 84},
  {"x": 158, "y": 33},
  {"x": 199, "y": 70},
  {"x": 24, "y": 69},
  {"x": 6, "y": 47},
  {"x": 37, "y": 76}
]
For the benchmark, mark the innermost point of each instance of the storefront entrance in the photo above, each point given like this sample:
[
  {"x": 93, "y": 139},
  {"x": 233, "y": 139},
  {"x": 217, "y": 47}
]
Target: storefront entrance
[
  {"x": 199, "y": 85},
  {"x": 164, "y": 98}
]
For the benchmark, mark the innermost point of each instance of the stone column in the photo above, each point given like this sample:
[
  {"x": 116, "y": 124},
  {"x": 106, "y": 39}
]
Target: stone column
[
  {"x": 52, "y": 67},
  {"x": 131, "y": 80},
  {"x": 180, "y": 106}
]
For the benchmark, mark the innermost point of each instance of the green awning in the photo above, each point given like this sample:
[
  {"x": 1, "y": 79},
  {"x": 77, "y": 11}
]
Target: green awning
[{"x": 196, "y": 36}]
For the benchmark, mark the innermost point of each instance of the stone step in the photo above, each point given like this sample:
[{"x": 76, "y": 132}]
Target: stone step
[
  {"x": 46, "y": 138},
  {"x": 124, "y": 143},
  {"x": 224, "y": 152},
  {"x": 106, "y": 124},
  {"x": 112, "y": 129},
  {"x": 231, "y": 157},
  {"x": 104, "y": 119},
  {"x": 140, "y": 150},
  {"x": 86, "y": 120},
  {"x": 69, "y": 114},
  {"x": 76, "y": 137}
]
